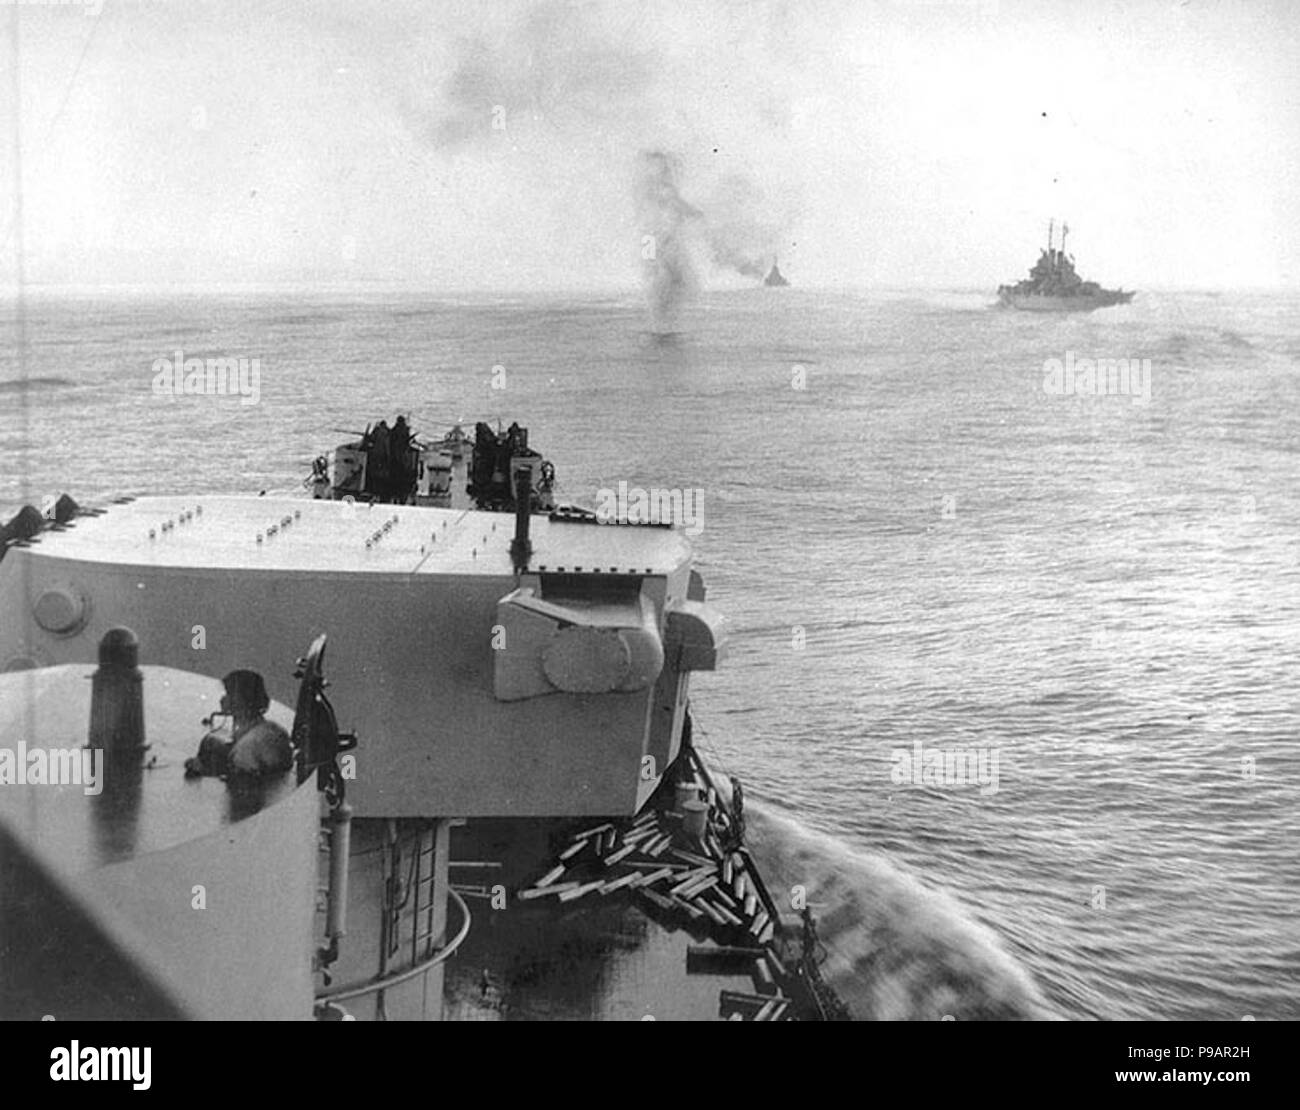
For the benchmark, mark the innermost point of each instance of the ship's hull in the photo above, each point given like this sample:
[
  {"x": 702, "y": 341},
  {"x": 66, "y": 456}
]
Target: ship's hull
[
  {"x": 588, "y": 895},
  {"x": 529, "y": 832},
  {"x": 1083, "y": 302}
]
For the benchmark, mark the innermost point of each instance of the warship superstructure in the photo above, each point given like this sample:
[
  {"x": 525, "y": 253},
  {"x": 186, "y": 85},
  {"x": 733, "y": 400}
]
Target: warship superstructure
[
  {"x": 517, "y": 682},
  {"x": 775, "y": 279},
  {"x": 1054, "y": 286}
]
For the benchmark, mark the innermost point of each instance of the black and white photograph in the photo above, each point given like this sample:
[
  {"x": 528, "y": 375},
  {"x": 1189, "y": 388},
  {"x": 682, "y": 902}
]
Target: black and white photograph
[{"x": 674, "y": 510}]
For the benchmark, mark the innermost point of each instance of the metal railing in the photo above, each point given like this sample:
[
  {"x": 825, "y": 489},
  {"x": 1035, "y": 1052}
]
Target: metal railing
[{"x": 383, "y": 982}]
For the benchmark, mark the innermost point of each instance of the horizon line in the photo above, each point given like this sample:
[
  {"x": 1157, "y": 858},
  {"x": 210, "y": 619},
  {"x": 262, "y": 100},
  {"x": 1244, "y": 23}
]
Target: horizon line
[{"x": 12, "y": 293}]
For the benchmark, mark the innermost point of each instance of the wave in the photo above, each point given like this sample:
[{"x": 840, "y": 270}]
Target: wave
[
  {"x": 897, "y": 950},
  {"x": 304, "y": 318},
  {"x": 1201, "y": 344},
  {"x": 17, "y": 385},
  {"x": 1235, "y": 339}
]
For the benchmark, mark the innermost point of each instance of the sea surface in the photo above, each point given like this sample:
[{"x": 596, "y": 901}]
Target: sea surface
[{"x": 915, "y": 543}]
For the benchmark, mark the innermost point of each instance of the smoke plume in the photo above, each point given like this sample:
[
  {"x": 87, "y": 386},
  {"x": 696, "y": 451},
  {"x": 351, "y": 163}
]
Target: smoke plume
[
  {"x": 567, "y": 96},
  {"x": 663, "y": 215},
  {"x": 736, "y": 228}
]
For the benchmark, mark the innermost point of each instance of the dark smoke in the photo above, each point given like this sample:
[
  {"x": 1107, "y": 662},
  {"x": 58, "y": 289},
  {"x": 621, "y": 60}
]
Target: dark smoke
[
  {"x": 663, "y": 217},
  {"x": 737, "y": 228},
  {"x": 576, "y": 89}
]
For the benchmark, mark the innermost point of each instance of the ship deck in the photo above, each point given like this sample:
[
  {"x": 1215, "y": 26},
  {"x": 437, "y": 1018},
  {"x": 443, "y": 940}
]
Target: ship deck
[
  {"x": 634, "y": 942},
  {"x": 571, "y": 920},
  {"x": 215, "y": 535},
  {"x": 607, "y": 962}
]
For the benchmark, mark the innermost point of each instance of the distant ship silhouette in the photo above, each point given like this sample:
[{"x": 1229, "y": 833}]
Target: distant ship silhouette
[
  {"x": 774, "y": 277},
  {"x": 1054, "y": 286}
]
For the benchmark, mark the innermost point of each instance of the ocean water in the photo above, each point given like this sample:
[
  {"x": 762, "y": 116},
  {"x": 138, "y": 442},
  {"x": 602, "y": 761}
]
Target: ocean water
[{"x": 914, "y": 542}]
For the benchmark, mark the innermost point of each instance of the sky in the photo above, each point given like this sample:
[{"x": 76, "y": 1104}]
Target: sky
[{"x": 479, "y": 145}]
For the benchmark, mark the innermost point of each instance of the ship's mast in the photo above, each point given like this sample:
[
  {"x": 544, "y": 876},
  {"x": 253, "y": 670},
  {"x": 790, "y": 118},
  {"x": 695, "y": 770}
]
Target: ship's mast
[
  {"x": 1065, "y": 230},
  {"x": 1051, "y": 226}
]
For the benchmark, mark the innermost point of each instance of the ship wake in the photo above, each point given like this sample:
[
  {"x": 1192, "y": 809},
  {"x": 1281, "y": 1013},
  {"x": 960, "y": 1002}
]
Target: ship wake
[{"x": 896, "y": 950}]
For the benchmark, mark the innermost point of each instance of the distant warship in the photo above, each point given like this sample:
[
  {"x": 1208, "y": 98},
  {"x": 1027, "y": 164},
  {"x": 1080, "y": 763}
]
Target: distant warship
[
  {"x": 774, "y": 277},
  {"x": 1053, "y": 285}
]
